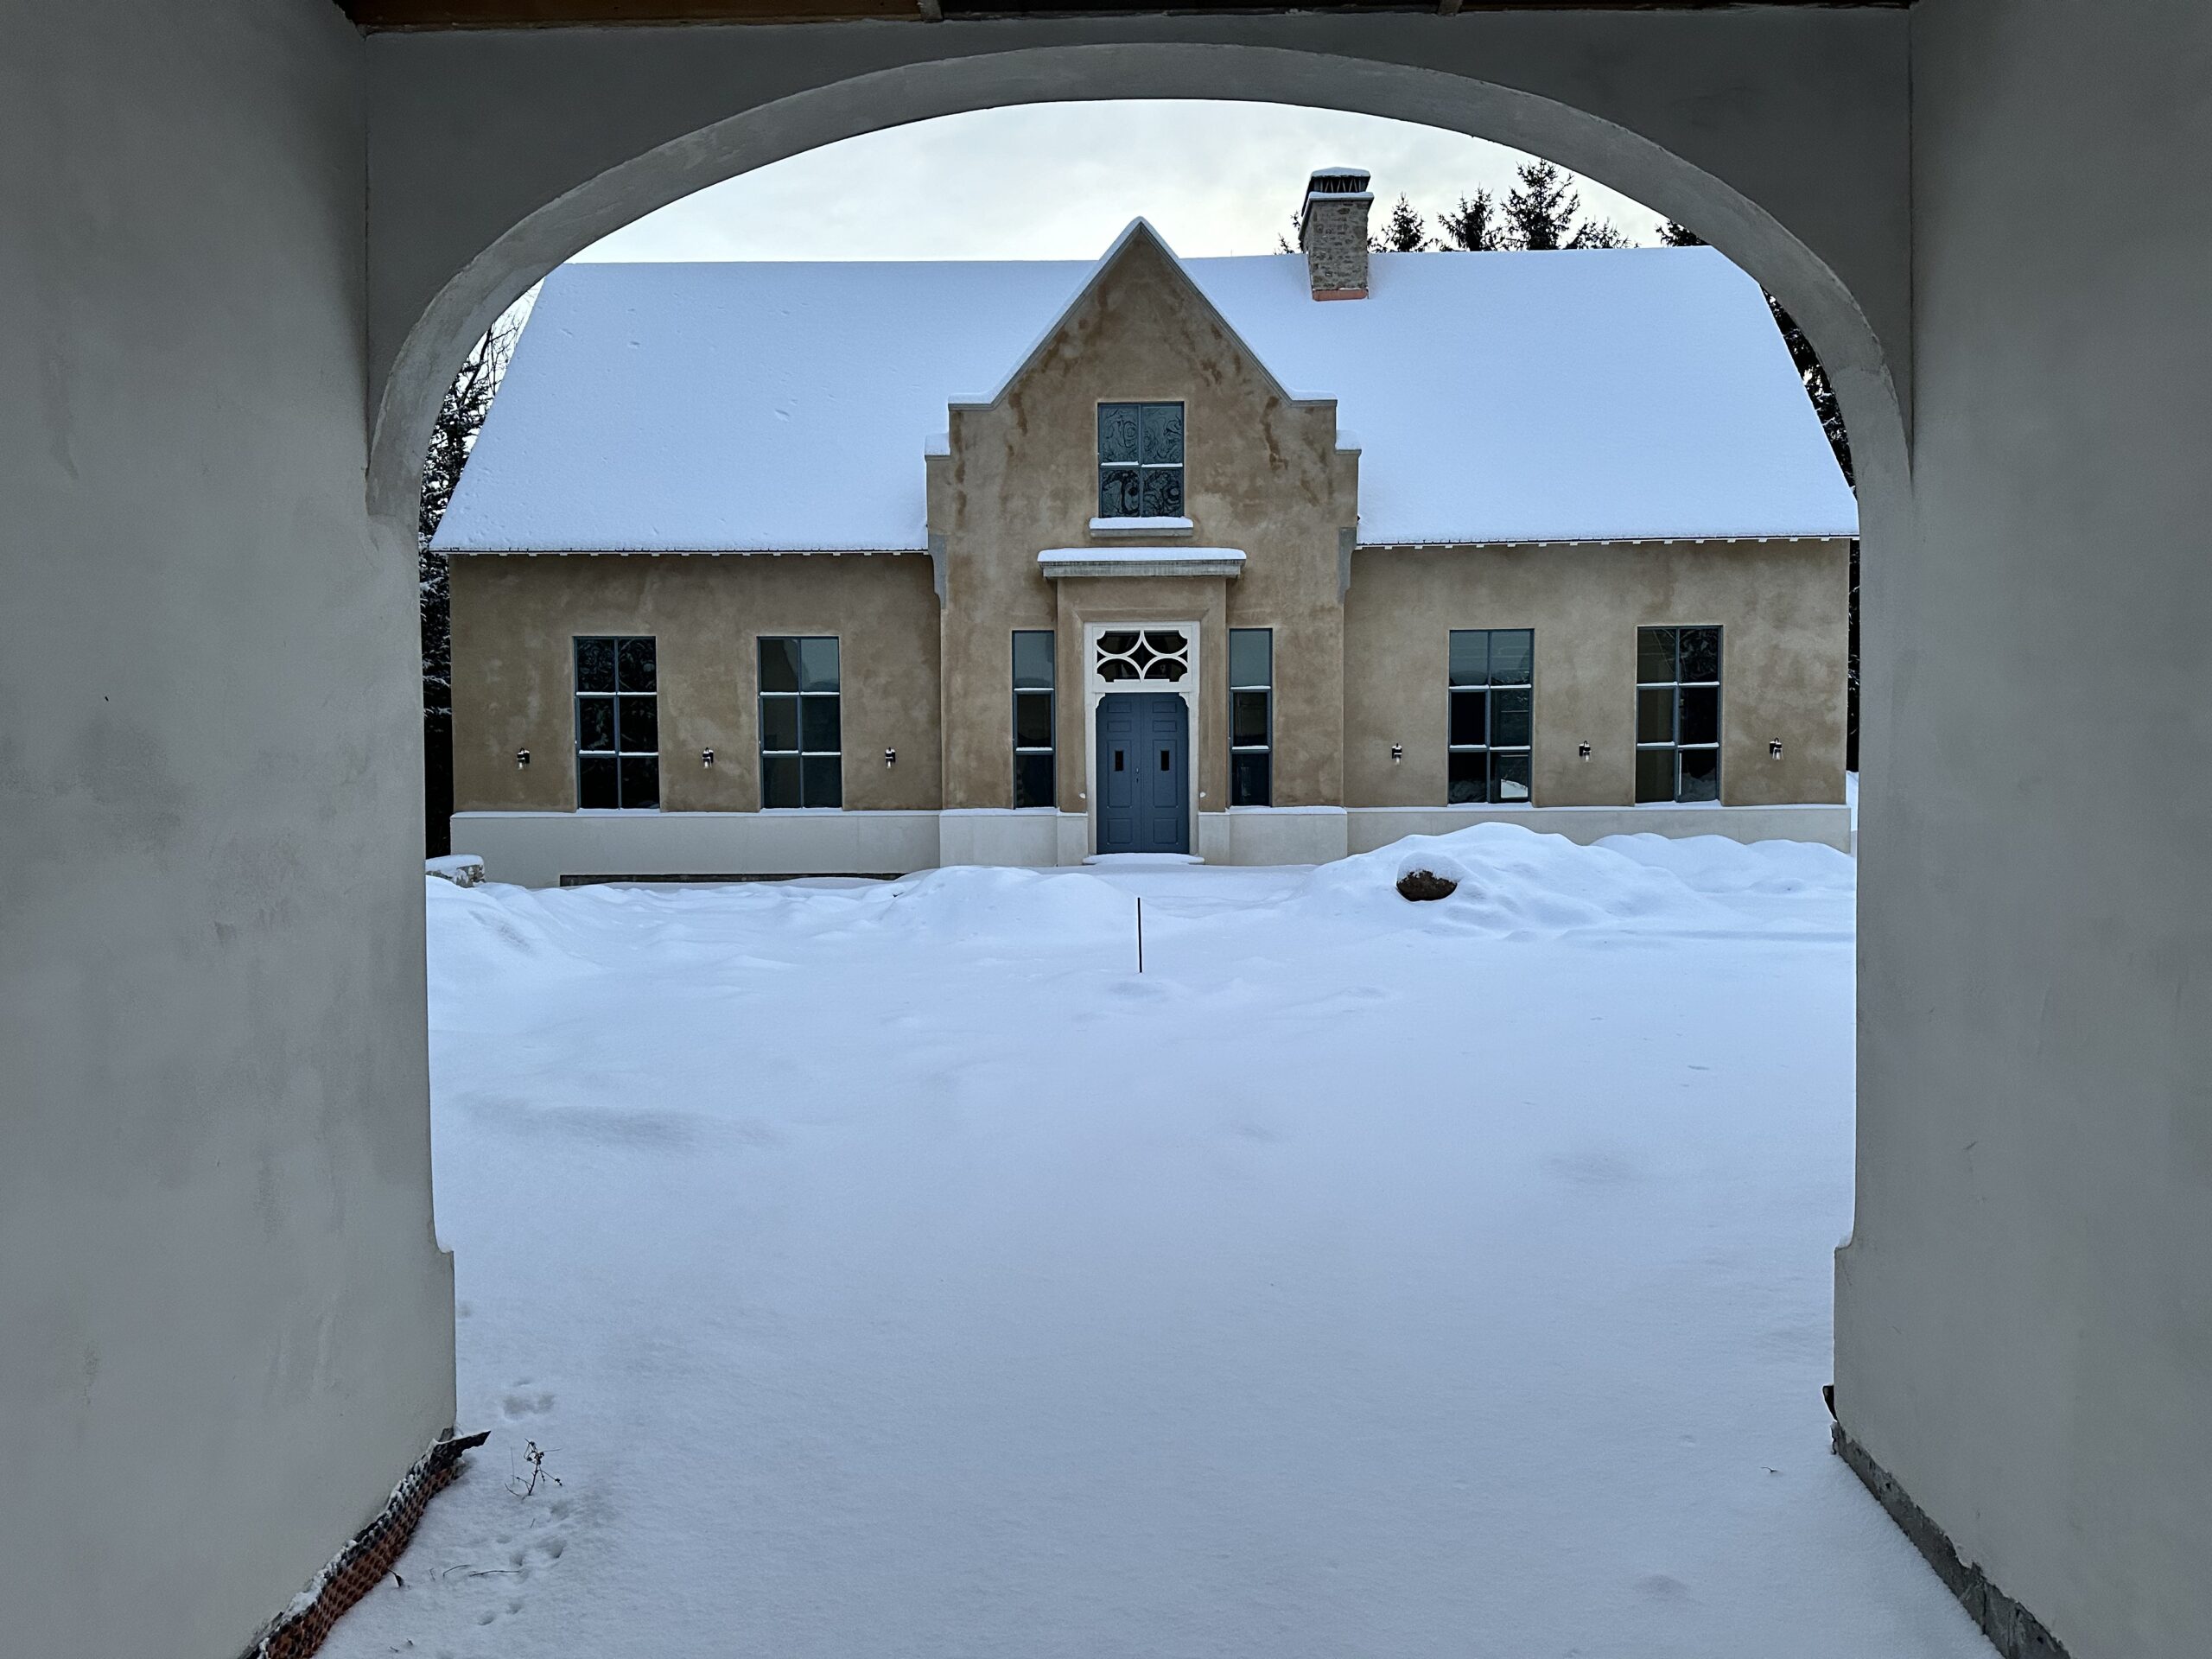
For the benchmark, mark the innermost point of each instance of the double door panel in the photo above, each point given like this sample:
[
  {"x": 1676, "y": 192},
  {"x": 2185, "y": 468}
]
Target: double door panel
[{"x": 1144, "y": 766}]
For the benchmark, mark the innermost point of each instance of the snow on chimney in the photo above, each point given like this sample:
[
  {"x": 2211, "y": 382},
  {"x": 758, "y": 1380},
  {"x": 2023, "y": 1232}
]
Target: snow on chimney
[{"x": 1333, "y": 233}]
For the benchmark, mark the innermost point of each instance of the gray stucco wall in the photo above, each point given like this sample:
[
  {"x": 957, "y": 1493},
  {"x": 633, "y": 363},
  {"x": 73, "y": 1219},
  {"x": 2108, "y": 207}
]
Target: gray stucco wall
[
  {"x": 515, "y": 621},
  {"x": 224, "y": 1328},
  {"x": 2024, "y": 1314},
  {"x": 1263, "y": 476},
  {"x": 1782, "y": 609}
]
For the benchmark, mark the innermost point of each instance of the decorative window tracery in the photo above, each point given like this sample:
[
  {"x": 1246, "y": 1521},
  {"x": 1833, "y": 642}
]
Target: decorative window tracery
[{"x": 1143, "y": 654}]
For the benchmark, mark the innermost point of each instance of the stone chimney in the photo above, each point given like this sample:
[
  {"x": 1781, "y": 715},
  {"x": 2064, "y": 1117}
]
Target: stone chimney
[{"x": 1333, "y": 233}]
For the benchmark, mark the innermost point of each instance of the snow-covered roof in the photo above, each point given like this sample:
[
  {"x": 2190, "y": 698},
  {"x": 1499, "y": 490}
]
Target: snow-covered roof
[{"x": 1596, "y": 394}]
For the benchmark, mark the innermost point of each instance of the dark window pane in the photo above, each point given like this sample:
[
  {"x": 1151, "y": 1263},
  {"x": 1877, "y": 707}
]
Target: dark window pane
[
  {"x": 1510, "y": 717},
  {"x": 1248, "y": 719},
  {"x": 1469, "y": 778},
  {"x": 594, "y": 722},
  {"x": 818, "y": 725},
  {"x": 1655, "y": 715},
  {"x": 824, "y": 776},
  {"x": 1119, "y": 495},
  {"x": 1163, "y": 435},
  {"x": 817, "y": 665},
  {"x": 778, "y": 665},
  {"x": 636, "y": 668},
  {"x": 639, "y": 731},
  {"x": 594, "y": 664},
  {"x": 1655, "y": 658},
  {"x": 640, "y": 780},
  {"x": 595, "y": 785},
  {"x": 779, "y": 781},
  {"x": 1700, "y": 653},
  {"x": 1032, "y": 659},
  {"x": 1032, "y": 780},
  {"x": 1469, "y": 723},
  {"x": 1701, "y": 706},
  {"x": 1165, "y": 638},
  {"x": 1508, "y": 777},
  {"x": 1249, "y": 780},
  {"x": 1117, "y": 432},
  {"x": 1251, "y": 657},
  {"x": 1512, "y": 656},
  {"x": 1032, "y": 719},
  {"x": 1654, "y": 774},
  {"x": 1117, "y": 668},
  {"x": 1163, "y": 492},
  {"x": 1700, "y": 774},
  {"x": 1469, "y": 657},
  {"x": 779, "y": 724}
]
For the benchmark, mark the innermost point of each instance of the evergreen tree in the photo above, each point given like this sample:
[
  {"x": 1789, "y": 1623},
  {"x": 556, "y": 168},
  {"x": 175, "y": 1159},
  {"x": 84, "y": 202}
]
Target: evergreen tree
[
  {"x": 1473, "y": 227},
  {"x": 1544, "y": 211},
  {"x": 1402, "y": 232},
  {"x": 460, "y": 416}
]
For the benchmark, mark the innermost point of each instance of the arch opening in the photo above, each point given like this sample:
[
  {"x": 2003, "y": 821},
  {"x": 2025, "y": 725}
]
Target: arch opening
[{"x": 496, "y": 290}]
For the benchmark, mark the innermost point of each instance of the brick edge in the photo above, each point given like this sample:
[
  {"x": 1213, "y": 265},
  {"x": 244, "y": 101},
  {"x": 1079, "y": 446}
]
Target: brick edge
[{"x": 298, "y": 1631}]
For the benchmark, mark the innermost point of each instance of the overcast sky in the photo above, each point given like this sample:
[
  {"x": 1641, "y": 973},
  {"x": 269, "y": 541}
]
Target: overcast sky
[{"x": 1059, "y": 181}]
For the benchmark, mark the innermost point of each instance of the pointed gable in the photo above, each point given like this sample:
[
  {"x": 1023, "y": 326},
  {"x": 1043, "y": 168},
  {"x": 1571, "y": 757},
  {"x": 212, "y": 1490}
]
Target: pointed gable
[{"x": 1137, "y": 245}]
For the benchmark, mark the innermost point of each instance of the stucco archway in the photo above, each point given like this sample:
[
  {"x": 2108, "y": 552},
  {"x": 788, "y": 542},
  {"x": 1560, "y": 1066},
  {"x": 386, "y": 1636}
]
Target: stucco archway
[{"x": 519, "y": 253}]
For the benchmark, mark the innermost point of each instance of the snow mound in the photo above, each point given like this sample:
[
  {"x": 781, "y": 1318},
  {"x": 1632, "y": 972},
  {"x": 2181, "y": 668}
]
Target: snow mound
[
  {"x": 970, "y": 902},
  {"x": 1715, "y": 864},
  {"x": 1512, "y": 880},
  {"x": 490, "y": 929}
]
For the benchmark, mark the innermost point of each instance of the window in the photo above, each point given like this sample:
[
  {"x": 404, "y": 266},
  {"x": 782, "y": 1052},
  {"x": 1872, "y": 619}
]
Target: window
[
  {"x": 801, "y": 759},
  {"x": 1493, "y": 675},
  {"x": 1140, "y": 461},
  {"x": 618, "y": 724},
  {"x": 1678, "y": 714},
  {"x": 1032, "y": 717},
  {"x": 1143, "y": 654},
  {"x": 1251, "y": 715}
]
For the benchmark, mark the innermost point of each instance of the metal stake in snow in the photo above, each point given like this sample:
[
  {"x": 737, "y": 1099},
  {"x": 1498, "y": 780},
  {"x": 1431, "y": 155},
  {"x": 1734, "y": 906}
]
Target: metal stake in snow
[{"x": 1139, "y": 933}]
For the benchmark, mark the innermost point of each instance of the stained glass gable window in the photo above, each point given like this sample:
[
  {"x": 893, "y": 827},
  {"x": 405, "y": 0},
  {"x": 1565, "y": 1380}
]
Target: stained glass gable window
[{"x": 1140, "y": 461}]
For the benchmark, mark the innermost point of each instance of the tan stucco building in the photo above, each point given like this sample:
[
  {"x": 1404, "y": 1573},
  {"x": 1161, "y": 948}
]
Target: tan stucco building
[{"x": 777, "y": 569}]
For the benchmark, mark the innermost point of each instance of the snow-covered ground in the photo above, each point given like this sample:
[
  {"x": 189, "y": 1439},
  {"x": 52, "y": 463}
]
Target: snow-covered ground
[{"x": 891, "y": 1270}]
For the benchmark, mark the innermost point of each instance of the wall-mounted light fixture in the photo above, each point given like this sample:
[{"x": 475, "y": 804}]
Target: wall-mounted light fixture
[
  {"x": 1774, "y": 750},
  {"x": 1582, "y": 749},
  {"x": 891, "y": 757},
  {"x": 1397, "y": 751},
  {"x": 522, "y": 758},
  {"x": 706, "y": 757}
]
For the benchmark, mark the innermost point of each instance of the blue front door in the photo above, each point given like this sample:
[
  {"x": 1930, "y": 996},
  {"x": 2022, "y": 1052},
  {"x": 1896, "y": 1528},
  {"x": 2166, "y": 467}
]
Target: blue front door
[{"x": 1144, "y": 769}]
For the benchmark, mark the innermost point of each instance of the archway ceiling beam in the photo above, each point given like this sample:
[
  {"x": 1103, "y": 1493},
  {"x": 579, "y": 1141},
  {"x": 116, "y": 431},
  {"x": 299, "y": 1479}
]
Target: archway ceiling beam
[{"x": 555, "y": 14}]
